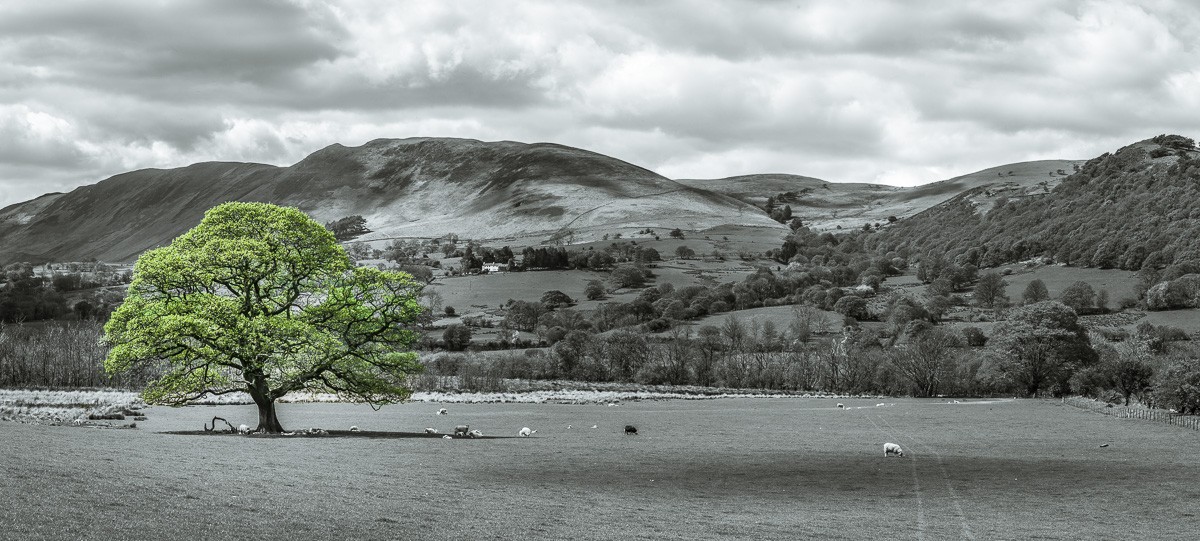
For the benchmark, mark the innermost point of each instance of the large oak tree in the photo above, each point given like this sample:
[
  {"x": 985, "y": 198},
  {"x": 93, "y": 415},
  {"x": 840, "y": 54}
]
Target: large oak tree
[{"x": 262, "y": 299}]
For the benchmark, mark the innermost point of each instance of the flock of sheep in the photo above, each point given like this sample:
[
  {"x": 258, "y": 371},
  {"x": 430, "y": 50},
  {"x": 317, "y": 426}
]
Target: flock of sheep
[{"x": 465, "y": 431}]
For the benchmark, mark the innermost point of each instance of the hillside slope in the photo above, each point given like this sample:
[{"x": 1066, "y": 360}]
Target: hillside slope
[
  {"x": 1124, "y": 210},
  {"x": 824, "y": 205},
  {"x": 410, "y": 187}
]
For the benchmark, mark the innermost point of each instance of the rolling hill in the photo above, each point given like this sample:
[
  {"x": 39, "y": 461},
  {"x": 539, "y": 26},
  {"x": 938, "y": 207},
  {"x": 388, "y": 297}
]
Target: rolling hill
[
  {"x": 1129, "y": 209},
  {"x": 419, "y": 187},
  {"x": 824, "y": 205}
]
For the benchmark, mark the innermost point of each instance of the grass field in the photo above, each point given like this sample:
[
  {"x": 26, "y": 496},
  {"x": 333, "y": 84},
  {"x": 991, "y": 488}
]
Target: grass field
[{"x": 729, "y": 468}]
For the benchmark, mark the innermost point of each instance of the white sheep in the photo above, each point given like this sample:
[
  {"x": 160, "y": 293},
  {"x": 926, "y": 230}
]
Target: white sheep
[
  {"x": 841, "y": 406},
  {"x": 243, "y": 429},
  {"x": 476, "y": 434},
  {"x": 462, "y": 430},
  {"x": 354, "y": 428},
  {"x": 442, "y": 411},
  {"x": 526, "y": 432},
  {"x": 430, "y": 430},
  {"x": 890, "y": 449},
  {"x": 880, "y": 405},
  {"x": 447, "y": 437}
]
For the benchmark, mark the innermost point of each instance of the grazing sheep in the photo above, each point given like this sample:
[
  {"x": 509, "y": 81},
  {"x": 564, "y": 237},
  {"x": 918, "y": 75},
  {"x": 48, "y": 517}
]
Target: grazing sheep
[
  {"x": 630, "y": 429},
  {"x": 243, "y": 429},
  {"x": 594, "y": 426},
  {"x": 443, "y": 411},
  {"x": 568, "y": 427},
  {"x": 354, "y": 428},
  {"x": 429, "y": 430},
  {"x": 526, "y": 432},
  {"x": 462, "y": 430},
  {"x": 890, "y": 449},
  {"x": 476, "y": 434},
  {"x": 447, "y": 437},
  {"x": 841, "y": 406},
  {"x": 880, "y": 405}
]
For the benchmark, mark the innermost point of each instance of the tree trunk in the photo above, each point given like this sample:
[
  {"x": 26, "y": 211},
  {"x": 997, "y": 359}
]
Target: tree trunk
[{"x": 267, "y": 421}]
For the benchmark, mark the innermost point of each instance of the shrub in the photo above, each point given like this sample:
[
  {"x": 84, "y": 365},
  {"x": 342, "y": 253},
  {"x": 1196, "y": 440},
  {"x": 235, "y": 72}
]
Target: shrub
[
  {"x": 594, "y": 290},
  {"x": 974, "y": 337}
]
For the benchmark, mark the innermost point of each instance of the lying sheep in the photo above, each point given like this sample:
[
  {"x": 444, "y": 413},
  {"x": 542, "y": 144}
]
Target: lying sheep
[
  {"x": 462, "y": 430},
  {"x": 630, "y": 429},
  {"x": 476, "y": 434},
  {"x": 890, "y": 449},
  {"x": 841, "y": 406},
  {"x": 447, "y": 437},
  {"x": 442, "y": 411},
  {"x": 354, "y": 428},
  {"x": 429, "y": 430},
  {"x": 526, "y": 432}
]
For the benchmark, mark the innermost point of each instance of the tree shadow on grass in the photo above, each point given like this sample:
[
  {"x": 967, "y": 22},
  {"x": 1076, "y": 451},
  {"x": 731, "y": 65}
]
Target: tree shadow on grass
[{"x": 361, "y": 434}]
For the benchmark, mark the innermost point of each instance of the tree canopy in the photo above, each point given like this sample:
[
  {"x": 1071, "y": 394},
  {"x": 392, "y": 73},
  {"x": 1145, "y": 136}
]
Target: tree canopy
[
  {"x": 1041, "y": 346},
  {"x": 261, "y": 299}
]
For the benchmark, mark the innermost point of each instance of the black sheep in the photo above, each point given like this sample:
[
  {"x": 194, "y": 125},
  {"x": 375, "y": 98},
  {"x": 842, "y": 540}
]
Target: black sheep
[{"x": 630, "y": 429}]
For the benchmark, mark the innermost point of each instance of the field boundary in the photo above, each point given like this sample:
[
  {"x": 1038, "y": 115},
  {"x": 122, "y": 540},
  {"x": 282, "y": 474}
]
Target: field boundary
[{"x": 1126, "y": 412}]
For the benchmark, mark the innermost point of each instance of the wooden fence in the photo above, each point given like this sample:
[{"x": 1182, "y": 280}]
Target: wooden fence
[{"x": 1125, "y": 412}]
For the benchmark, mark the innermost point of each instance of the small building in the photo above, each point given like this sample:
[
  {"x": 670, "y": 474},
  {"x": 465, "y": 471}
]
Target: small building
[{"x": 491, "y": 267}]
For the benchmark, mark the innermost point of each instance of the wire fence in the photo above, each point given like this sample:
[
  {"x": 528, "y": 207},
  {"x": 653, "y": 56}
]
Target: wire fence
[{"x": 1126, "y": 412}]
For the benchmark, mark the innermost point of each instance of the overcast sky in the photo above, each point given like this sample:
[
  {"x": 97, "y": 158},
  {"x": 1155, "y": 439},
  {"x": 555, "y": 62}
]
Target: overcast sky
[{"x": 854, "y": 91}]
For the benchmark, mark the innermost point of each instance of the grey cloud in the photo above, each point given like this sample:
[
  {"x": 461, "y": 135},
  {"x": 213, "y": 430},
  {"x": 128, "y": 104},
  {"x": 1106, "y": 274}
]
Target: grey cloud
[{"x": 131, "y": 45}]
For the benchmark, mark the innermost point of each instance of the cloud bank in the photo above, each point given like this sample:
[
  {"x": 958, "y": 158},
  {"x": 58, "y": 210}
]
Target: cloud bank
[{"x": 857, "y": 91}]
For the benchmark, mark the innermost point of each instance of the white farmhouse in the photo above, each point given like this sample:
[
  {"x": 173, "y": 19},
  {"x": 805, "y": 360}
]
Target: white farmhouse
[{"x": 491, "y": 267}]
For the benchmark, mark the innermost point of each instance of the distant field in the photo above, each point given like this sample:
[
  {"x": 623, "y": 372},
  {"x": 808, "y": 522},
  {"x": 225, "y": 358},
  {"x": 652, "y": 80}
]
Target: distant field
[
  {"x": 781, "y": 315},
  {"x": 467, "y": 293},
  {"x": 1119, "y": 283},
  {"x": 730, "y": 468}
]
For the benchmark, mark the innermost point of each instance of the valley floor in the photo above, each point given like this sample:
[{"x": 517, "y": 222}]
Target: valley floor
[{"x": 714, "y": 469}]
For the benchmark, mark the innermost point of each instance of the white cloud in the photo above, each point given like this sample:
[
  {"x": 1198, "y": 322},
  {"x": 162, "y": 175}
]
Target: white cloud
[{"x": 858, "y": 90}]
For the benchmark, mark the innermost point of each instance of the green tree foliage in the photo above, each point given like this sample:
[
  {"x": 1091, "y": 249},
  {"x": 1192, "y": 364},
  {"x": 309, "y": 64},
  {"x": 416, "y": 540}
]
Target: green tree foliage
[
  {"x": 594, "y": 290},
  {"x": 852, "y": 306},
  {"x": 1132, "y": 372},
  {"x": 926, "y": 361},
  {"x": 1178, "y": 386},
  {"x": 1181, "y": 292},
  {"x": 1079, "y": 297},
  {"x": 457, "y": 337},
  {"x": 974, "y": 337},
  {"x": 556, "y": 299},
  {"x": 26, "y": 297},
  {"x": 261, "y": 299},
  {"x": 523, "y": 315},
  {"x": 348, "y": 227},
  {"x": 1040, "y": 346},
  {"x": 629, "y": 276},
  {"x": 1035, "y": 292},
  {"x": 1118, "y": 210},
  {"x": 989, "y": 290}
]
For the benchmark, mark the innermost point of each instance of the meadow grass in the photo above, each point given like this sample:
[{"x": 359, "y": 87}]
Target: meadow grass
[{"x": 717, "y": 469}]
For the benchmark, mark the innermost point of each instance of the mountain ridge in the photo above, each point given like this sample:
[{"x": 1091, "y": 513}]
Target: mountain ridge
[{"x": 424, "y": 187}]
